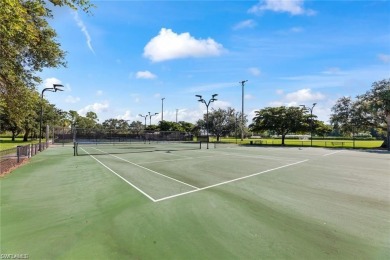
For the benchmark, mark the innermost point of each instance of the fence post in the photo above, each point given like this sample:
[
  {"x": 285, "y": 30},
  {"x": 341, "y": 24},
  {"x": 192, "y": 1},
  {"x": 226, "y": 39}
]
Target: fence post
[{"x": 18, "y": 153}]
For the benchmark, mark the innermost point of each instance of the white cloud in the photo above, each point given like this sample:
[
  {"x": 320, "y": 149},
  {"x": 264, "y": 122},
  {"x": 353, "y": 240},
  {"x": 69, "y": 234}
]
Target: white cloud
[
  {"x": 244, "y": 24},
  {"x": 96, "y": 107},
  {"x": 303, "y": 95},
  {"x": 276, "y": 103},
  {"x": 332, "y": 71},
  {"x": 249, "y": 97},
  {"x": 126, "y": 116},
  {"x": 84, "y": 30},
  {"x": 145, "y": 75},
  {"x": 255, "y": 71},
  {"x": 294, "y": 7},
  {"x": 280, "y": 91},
  {"x": 168, "y": 45},
  {"x": 48, "y": 83},
  {"x": 296, "y": 29},
  {"x": 99, "y": 93},
  {"x": 71, "y": 99},
  {"x": 384, "y": 58}
]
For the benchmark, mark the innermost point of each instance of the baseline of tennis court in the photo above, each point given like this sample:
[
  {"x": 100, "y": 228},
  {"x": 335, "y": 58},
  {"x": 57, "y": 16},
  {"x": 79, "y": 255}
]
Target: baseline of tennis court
[{"x": 166, "y": 174}]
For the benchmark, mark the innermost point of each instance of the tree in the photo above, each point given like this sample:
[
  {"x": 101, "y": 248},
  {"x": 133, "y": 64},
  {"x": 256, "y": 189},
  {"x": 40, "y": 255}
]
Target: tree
[
  {"x": 27, "y": 46},
  {"x": 377, "y": 103},
  {"x": 282, "y": 120},
  {"x": 344, "y": 115},
  {"x": 136, "y": 127},
  {"x": 221, "y": 122},
  {"x": 321, "y": 129},
  {"x": 369, "y": 111}
]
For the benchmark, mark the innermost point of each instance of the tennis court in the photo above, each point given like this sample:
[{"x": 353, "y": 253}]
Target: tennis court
[
  {"x": 175, "y": 201},
  {"x": 163, "y": 171}
]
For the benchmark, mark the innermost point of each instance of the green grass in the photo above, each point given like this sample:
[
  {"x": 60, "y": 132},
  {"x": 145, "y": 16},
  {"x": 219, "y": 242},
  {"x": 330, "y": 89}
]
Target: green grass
[
  {"x": 64, "y": 207},
  {"x": 7, "y": 143},
  {"x": 359, "y": 144}
]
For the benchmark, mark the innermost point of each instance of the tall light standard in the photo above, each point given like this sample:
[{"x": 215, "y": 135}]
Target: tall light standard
[
  {"x": 242, "y": 109},
  {"x": 150, "y": 117},
  {"x": 207, "y": 114},
  {"x": 162, "y": 109},
  {"x": 145, "y": 116},
  {"x": 311, "y": 121},
  {"x": 55, "y": 88}
]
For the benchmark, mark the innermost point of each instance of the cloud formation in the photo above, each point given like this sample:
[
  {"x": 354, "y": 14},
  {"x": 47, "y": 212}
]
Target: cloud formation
[
  {"x": 168, "y": 45},
  {"x": 126, "y": 116},
  {"x": 294, "y": 7},
  {"x": 96, "y": 107},
  {"x": 384, "y": 58},
  {"x": 303, "y": 95},
  {"x": 254, "y": 71},
  {"x": 84, "y": 30},
  {"x": 244, "y": 24},
  {"x": 48, "y": 83},
  {"x": 72, "y": 99},
  {"x": 145, "y": 75}
]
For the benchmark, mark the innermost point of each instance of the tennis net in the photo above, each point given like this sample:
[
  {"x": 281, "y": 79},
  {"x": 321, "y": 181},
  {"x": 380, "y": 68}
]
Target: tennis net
[{"x": 100, "y": 148}]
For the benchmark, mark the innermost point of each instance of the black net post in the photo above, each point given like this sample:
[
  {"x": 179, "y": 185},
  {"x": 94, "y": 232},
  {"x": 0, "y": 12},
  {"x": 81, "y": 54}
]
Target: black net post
[{"x": 74, "y": 148}]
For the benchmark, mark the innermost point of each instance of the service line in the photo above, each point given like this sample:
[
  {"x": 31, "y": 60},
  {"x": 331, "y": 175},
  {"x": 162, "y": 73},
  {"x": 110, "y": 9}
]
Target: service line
[{"x": 229, "y": 181}]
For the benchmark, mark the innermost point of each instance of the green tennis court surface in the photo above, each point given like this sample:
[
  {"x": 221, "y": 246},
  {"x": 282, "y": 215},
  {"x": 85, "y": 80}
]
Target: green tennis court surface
[{"x": 165, "y": 201}]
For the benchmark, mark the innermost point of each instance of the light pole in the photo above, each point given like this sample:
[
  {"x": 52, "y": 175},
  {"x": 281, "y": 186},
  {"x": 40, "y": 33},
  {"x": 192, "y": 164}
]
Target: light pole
[
  {"x": 207, "y": 114},
  {"x": 150, "y": 117},
  {"x": 55, "y": 88},
  {"x": 145, "y": 116},
  {"x": 311, "y": 121},
  {"x": 242, "y": 109},
  {"x": 177, "y": 110},
  {"x": 162, "y": 109}
]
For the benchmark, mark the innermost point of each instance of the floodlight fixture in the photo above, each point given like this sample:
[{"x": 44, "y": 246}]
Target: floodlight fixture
[
  {"x": 150, "y": 117},
  {"x": 207, "y": 112},
  {"x": 58, "y": 87},
  {"x": 55, "y": 88},
  {"x": 144, "y": 116},
  {"x": 311, "y": 120}
]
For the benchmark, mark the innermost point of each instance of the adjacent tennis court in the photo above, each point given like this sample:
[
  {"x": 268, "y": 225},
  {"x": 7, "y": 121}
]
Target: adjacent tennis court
[{"x": 181, "y": 200}]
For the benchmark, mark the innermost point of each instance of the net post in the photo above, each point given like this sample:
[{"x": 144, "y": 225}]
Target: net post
[{"x": 74, "y": 148}]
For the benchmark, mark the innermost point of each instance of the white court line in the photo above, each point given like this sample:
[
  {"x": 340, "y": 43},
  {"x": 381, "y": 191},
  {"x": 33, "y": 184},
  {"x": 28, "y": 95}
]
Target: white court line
[
  {"x": 225, "y": 182},
  {"x": 259, "y": 156},
  {"x": 150, "y": 170},
  {"x": 132, "y": 185},
  {"x": 181, "y": 159},
  {"x": 332, "y": 153}
]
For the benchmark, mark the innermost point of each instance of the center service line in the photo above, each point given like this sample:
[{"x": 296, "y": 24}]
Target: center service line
[
  {"x": 142, "y": 167},
  {"x": 225, "y": 182},
  {"x": 132, "y": 185}
]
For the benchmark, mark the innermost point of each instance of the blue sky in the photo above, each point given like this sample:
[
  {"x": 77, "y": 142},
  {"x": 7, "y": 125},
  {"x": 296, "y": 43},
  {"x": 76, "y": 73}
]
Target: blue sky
[{"x": 128, "y": 55}]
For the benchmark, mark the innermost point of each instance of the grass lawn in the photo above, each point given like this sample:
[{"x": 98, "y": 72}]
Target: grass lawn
[
  {"x": 336, "y": 143},
  {"x": 7, "y": 143}
]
